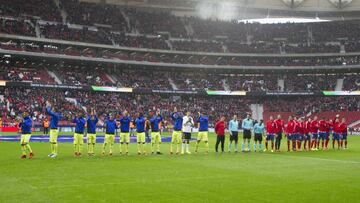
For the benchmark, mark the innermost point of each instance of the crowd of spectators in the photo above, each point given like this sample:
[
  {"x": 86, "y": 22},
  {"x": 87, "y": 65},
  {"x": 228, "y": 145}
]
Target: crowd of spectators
[
  {"x": 18, "y": 100},
  {"x": 45, "y": 9},
  {"x": 313, "y": 48},
  {"x": 352, "y": 82},
  {"x": 163, "y": 57},
  {"x": 63, "y": 32},
  {"x": 84, "y": 13},
  {"x": 82, "y": 75},
  {"x": 336, "y": 30},
  {"x": 171, "y": 79},
  {"x": 259, "y": 82},
  {"x": 238, "y": 47},
  {"x": 72, "y": 102},
  {"x": 24, "y": 72},
  {"x": 154, "y": 22},
  {"x": 310, "y": 82},
  {"x": 302, "y": 106},
  {"x": 196, "y": 34},
  {"x": 148, "y": 79},
  {"x": 16, "y": 27},
  {"x": 154, "y": 42},
  {"x": 201, "y": 46}
]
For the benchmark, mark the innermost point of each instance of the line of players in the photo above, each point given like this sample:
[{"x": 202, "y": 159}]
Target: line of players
[
  {"x": 307, "y": 134},
  {"x": 310, "y": 132},
  {"x": 181, "y": 134}
]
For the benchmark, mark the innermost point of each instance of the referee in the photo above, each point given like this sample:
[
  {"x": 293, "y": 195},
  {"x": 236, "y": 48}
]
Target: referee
[
  {"x": 247, "y": 125},
  {"x": 233, "y": 128}
]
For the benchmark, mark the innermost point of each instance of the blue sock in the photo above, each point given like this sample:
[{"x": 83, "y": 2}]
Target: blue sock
[
  {"x": 236, "y": 147},
  {"x": 254, "y": 147},
  {"x": 248, "y": 146}
]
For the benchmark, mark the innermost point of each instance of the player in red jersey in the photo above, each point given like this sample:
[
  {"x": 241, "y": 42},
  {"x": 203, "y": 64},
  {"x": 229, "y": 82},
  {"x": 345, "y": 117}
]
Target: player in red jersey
[
  {"x": 336, "y": 132},
  {"x": 323, "y": 125},
  {"x": 329, "y": 125},
  {"x": 279, "y": 130},
  {"x": 270, "y": 133},
  {"x": 314, "y": 126},
  {"x": 298, "y": 134},
  {"x": 343, "y": 129},
  {"x": 307, "y": 138},
  {"x": 290, "y": 132}
]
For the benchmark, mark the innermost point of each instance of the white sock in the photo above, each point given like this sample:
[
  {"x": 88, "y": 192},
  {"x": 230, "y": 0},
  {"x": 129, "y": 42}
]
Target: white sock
[
  {"x": 187, "y": 147},
  {"x": 182, "y": 147}
]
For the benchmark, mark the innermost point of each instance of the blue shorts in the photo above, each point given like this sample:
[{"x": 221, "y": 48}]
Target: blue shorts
[
  {"x": 315, "y": 136},
  {"x": 336, "y": 136},
  {"x": 290, "y": 137},
  {"x": 344, "y": 136},
  {"x": 307, "y": 137},
  {"x": 327, "y": 136},
  {"x": 270, "y": 137},
  {"x": 322, "y": 136},
  {"x": 297, "y": 137}
]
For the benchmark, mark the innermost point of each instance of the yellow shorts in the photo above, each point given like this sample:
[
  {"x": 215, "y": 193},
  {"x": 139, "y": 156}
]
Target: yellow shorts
[
  {"x": 78, "y": 138},
  {"x": 140, "y": 137},
  {"x": 109, "y": 138},
  {"x": 25, "y": 138},
  {"x": 155, "y": 137},
  {"x": 125, "y": 137},
  {"x": 91, "y": 138},
  {"x": 54, "y": 135},
  {"x": 202, "y": 136},
  {"x": 176, "y": 137}
]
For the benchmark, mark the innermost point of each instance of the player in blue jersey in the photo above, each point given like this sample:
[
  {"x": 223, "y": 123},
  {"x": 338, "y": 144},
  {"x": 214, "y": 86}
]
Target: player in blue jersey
[
  {"x": 25, "y": 126},
  {"x": 140, "y": 134},
  {"x": 203, "y": 126},
  {"x": 110, "y": 126},
  {"x": 79, "y": 134},
  {"x": 54, "y": 131},
  {"x": 125, "y": 132},
  {"x": 177, "y": 118},
  {"x": 155, "y": 132},
  {"x": 91, "y": 122}
]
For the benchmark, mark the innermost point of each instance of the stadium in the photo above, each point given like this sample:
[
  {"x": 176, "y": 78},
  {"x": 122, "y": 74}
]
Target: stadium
[{"x": 179, "y": 100}]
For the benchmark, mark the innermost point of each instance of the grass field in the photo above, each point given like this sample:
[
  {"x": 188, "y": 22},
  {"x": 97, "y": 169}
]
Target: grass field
[{"x": 323, "y": 176}]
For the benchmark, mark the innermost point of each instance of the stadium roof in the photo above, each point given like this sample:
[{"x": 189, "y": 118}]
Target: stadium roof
[
  {"x": 301, "y": 5},
  {"x": 248, "y": 9}
]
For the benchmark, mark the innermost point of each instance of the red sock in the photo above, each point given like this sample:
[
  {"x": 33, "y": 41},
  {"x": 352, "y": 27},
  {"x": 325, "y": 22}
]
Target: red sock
[
  {"x": 333, "y": 144},
  {"x": 266, "y": 145},
  {"x": 272, "y": 146},
  {"x": 345, "y": 143},
  {"x": 305, "y": 145},
  {"x": 288, "y": 143},
  {"x": 322, "y": 144},
  {"x": 299, "y": 145},
  {"x": 309, "y": 146},
  {"x": 338, "y": 144},
  {"x": 341, "y": 143},
  {"x": 326, "y": 143}
]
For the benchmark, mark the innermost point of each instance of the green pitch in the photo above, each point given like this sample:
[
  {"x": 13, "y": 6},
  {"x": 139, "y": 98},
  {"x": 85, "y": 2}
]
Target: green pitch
[{"x": 323, "y": 176}]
